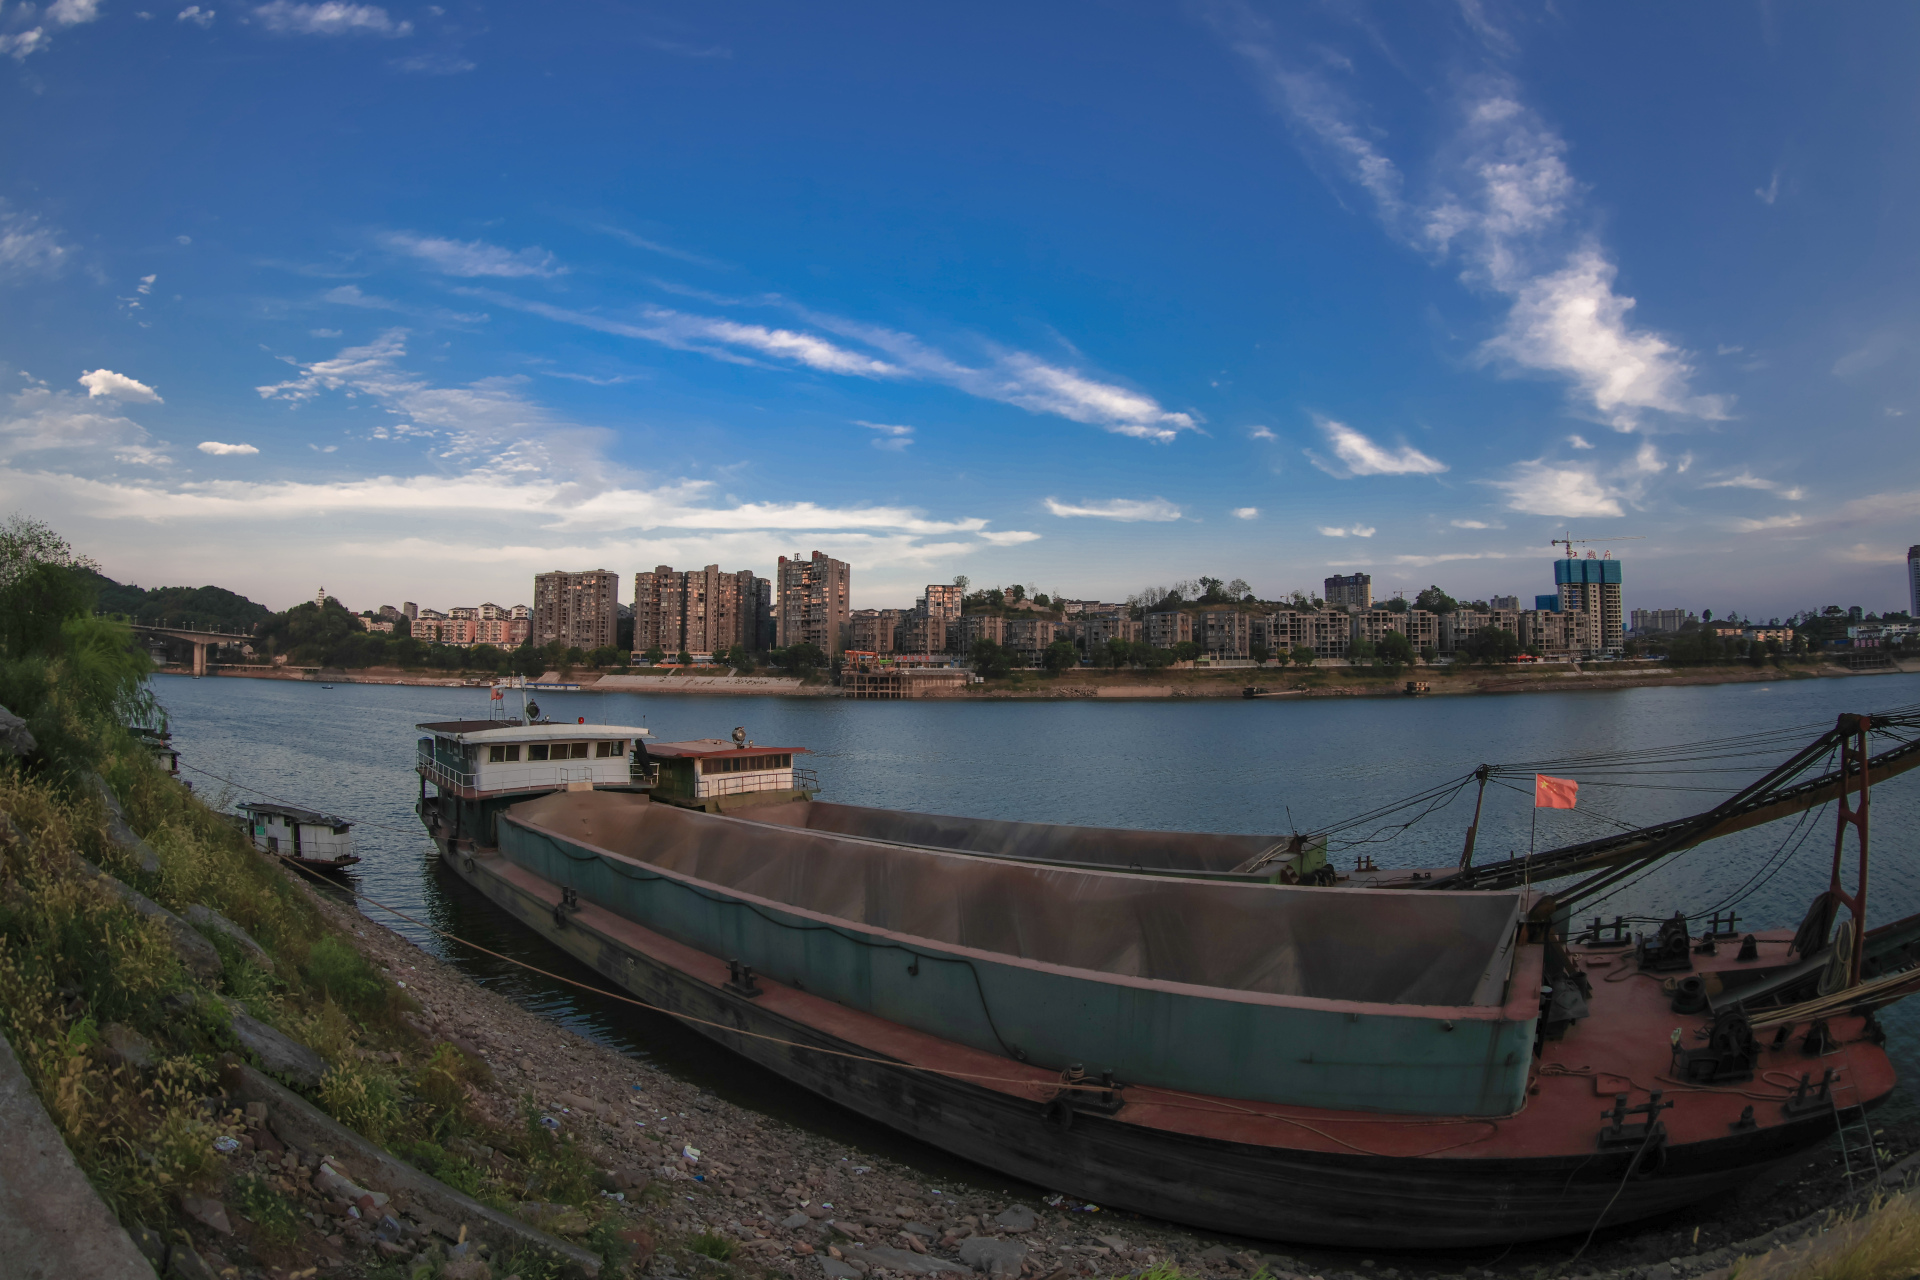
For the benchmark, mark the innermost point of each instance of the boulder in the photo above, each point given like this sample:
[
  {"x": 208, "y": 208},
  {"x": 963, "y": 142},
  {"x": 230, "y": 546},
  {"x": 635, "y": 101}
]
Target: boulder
[
  {"x": 995, "y": 1257},
  {"x": 1016, "y": 1218},
  {"x": 207, "y": 918},
  {"x": 118, "y": 829},
  {"x": 126, "y": 1047},
  {"x": 279, "y": 1054},
  {"x": 15, "y": 740},
  {"x": 209, "y": 1213}
]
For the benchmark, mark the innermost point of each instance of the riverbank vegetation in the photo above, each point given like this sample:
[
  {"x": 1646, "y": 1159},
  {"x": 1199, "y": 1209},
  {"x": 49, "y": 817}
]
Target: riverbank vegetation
[{"x": 144, "y": 941}]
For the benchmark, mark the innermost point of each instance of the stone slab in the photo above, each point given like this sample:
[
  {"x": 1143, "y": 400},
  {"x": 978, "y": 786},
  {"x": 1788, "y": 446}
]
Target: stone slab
[{"x": 53, "y": 1225}]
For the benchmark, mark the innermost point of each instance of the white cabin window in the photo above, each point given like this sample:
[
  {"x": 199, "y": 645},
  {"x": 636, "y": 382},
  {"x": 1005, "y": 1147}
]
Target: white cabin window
[
  {"x": 537, "y": 751},
  {"x": 580, "y": 750},
  {"x": 501, "y": 755}
]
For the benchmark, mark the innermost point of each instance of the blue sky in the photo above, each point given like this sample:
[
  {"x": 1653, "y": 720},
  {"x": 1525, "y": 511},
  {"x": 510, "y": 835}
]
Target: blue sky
[{"x": 416, "y": 301}]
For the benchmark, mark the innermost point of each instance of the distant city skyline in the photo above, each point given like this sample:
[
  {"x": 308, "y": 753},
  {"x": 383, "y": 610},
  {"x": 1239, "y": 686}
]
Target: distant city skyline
[{"x": 305, "y": 293}]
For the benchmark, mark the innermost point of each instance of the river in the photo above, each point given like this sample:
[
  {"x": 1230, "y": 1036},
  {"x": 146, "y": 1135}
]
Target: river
[{"x": 1268, "y": 766}]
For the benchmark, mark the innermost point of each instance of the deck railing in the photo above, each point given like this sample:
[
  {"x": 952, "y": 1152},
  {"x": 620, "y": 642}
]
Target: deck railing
[
  {"x": 439, "y": 773},
  {"x": 739, "y": 784}
]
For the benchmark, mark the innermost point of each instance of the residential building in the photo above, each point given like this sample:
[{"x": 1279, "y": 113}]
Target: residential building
[
  {"x": 1457, "y": 626},
  {"x": 1094, "y": 629},
  {"x": 941, "y": 606},
  {"x": 1509, "y": 603},
  {"x": 1029, "y": 637},
  {"x": 380, "y": 624},
  {"x": 1421, "y": 628},
  {"x": 1593, "y": 586},
  {"x": 1562, "y": 637},
  {"x": 975, "y": 627},
  {"x": 876, "y": 631},
  {"x": 1350, "y": 591},
  {"x": 577, "y": 610},
  {"x": 390, "y": 613},
  {"x": 814, "y": 609},
  {"x": 509, "y": 628},
  {"x": 1783, "y": 635},
  {"x": 409, "y": 611},
  {"x": 1549, "y": 604},
  {"x": 1727, "y": 630},
  {"x": 1649, "y": 620},
  {"x": 1913, "y": 582},
  {"x": 700, "y": 612},
  {"x": 1328, "y": 632},
  {"x": 871, "y": 677},
  {"x": 432, "y": 627},
  {"x": 1224, "y": 633},
  {"x": 1169, "y": 627}
]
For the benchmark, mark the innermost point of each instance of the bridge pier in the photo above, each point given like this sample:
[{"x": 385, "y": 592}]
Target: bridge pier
[{"x": 200, "y": 657}]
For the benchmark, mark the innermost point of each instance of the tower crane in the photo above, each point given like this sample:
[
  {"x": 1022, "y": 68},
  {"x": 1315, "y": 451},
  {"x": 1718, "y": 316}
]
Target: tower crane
[{"x": 1569, "y": 540}]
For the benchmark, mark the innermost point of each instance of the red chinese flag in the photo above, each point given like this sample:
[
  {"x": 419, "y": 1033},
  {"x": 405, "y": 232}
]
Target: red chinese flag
[
  {"x": 1554, "y": 793},
  {"x": 497, "y": 697}
]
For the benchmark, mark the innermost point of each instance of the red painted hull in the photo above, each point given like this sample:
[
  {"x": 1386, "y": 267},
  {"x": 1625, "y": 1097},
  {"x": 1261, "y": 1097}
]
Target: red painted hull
[{"x": 1255, "y": 1169}]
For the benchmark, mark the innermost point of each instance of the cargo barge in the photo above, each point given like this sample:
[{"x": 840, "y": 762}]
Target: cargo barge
[{"x": 1330, "y": 1065}]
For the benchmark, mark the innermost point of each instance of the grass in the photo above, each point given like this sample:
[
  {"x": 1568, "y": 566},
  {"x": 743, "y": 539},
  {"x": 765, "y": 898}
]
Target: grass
[
  {"x": 1880, "y": 1242},
  {"x": 276, "y": 1220},
  {"x": 718, "y": 1247}
]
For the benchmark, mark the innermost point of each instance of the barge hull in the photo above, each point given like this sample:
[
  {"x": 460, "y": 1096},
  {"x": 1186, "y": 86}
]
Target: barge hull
[{"x": 1351, "y": 1199}]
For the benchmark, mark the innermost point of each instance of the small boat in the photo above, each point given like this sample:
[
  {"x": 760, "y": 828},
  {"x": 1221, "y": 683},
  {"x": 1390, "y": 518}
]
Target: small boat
[
  {"x": 314, "y": 840},
  {"x": 1363, "y": 1067}
]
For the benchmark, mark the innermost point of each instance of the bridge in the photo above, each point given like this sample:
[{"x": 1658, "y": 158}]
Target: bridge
[{"x": 200, "y": 638}]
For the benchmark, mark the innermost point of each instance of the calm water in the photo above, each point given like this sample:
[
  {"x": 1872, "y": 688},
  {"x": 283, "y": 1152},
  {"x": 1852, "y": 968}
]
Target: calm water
[{"x": 1230, "y": 765}]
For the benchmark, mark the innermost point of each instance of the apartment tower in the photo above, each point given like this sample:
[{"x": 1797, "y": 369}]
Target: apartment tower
[
  {"x": 580, "y": 610},
  {"x": 814, "y": 599}
]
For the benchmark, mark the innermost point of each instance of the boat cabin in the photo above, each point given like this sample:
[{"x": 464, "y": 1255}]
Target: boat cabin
[
  {"x": 299, "y": 833},
  {"x": 716, "y": 775},
  {"x": 476, "y": 757}
]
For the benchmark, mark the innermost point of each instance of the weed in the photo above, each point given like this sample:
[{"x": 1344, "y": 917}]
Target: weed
[
  {"x": 1881, "y": 1242},
  {"x": 276, "y": 1219},
  {"x": 430, "y": 1157},
  {"x": 709, "y": 1245},
  {"x": 362, "y": 1099},
  {"x": 442, "y": 1087},
  {"x": 529, "y": 1264},
  {"x": 556, "y": 1167},
  {"x": 344, "y": 975}
]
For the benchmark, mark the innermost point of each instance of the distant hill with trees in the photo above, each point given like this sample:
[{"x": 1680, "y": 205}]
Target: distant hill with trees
[{"x": 212, "y": 608}]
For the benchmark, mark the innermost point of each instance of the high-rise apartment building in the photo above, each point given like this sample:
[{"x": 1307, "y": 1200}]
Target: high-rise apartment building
[
  {"x": 1224, "y": 633},
  {"x": 1913, "y": 581},
  {"x": 1350, "y": 591},
  {"x": 940, "y": 607},
  {"x": 1642, "y": 621},
  {"x": 815, "y": 602},
  {"x": 700, "y": 612},
  {"x": 409, "y": 610},
  {"x": 580, "y": 610},
  {"x": 1593, "y": 586},
  {"x": 1168, "y": 628}
]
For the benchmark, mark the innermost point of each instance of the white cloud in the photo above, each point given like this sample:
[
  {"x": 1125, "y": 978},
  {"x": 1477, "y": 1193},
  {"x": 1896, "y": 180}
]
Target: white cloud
[
  {"x": 223, "y": 450},
  {"x": 202, "y": 18},
  {"x": 1771, "y": 192},
  {"x": 1793, "y": 521},
  {"x": 28, "y": 247},
  {"x": 1246, "y": 513},
  {"x": 1540, "y": 489},
  {"x": 351, "y": 295},
  {"x": 1357, "y": 531},
  {"x": 1579, "y": 442},
  {"x": 71, "y": 13},
  {"x": 1009, "y": 377},
  {"x": 1475, "y": 524},
  {"x": 1878, "y": 350},
  {"x": 21, "y": 44},
  {"x": 1362, "y": 457},
  {"x": 330, "y": 18},
  {"x": 1127, "y": 509},
  {"x": 1260, "y": 433},
  {"x": 473, "y": 257},
  {"x": 105, "y": 382},
  {"x": 1007, "y": 537}
]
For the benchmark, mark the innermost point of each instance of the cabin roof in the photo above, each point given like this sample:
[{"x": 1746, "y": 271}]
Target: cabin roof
[
  {"x": 485, "y": 731},
  {"x": 696, "y": 748},
  {"x": 306, "y": 817}
]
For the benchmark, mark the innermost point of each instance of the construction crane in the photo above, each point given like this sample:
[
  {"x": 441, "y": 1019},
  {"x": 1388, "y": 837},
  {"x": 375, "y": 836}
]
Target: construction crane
[{"x": 1569, "y": 540}]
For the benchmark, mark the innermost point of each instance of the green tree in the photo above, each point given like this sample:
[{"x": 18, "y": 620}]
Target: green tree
[
  {"x": 739, "y": 659},
  {"x": 1434, "y": 600},
  {"x": 1259, "y": 652},
  {"x": 655, "y": 655},
  {"x": 990, "y": 659},
  {"x": 1185, "y": 651},
  {"x": 684, "y": 658},
  {"x": 1303, "y": 655},
  {"x": 1361, "y": 651},
  {"x": 801, "y": 659},
  {"x": 1393, "y": 652},
  {"x": 1119, "y": 652},
  {"x": 1396, "y": 605},
  {"x": 1492, "y": 644},
  {"x": 1016, "y": 593},
  {"x": 1061, "y": 656}
]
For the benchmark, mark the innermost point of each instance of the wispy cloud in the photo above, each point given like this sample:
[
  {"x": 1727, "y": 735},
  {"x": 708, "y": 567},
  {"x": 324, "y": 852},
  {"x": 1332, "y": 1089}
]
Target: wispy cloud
[
  {"x": 55, "y": 425},
  {"x": 1502, "y": 202},
  {"x": 1246, "y": 513},
  {"x": 1359, "y": 456},
  {"x": 351, "y": 295},
  {"x": 890, "y": 436},
  {"x": 118, "y": 386},
  {"x": 331, "y": 18},
  {"x": 1260, "y": 433},
  {"x": 1355, "y": 531},
  {"x": 1476, "y": 524},
  {"x": 28, "y": 246},
  {"x": 202, "y": 18},
  {"x": 1579, "y": 442},
  {"x": 1545, "y": 489},
  {"x": 683, "y": 49},
  {"x": 654, "y": 246},
  {"x": 1793, "y": 521},
  {"x": 1771, "y": 192},
  {"x": 220, "y": 450},
  {"x": 1126, "y": 509},
  {"x": 1010, "y": 377},
  {"x": 434, "y": 64},
  {"x": 473, "y": 258},
  {"x": 1745, "y": 479}
]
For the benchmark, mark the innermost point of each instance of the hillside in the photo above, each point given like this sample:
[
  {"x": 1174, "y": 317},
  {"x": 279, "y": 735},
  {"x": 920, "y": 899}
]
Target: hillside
[{"x": 212, "y": 607}]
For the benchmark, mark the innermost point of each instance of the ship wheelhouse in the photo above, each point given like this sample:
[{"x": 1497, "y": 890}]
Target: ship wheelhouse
[{"x": 478, "y": 767}]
